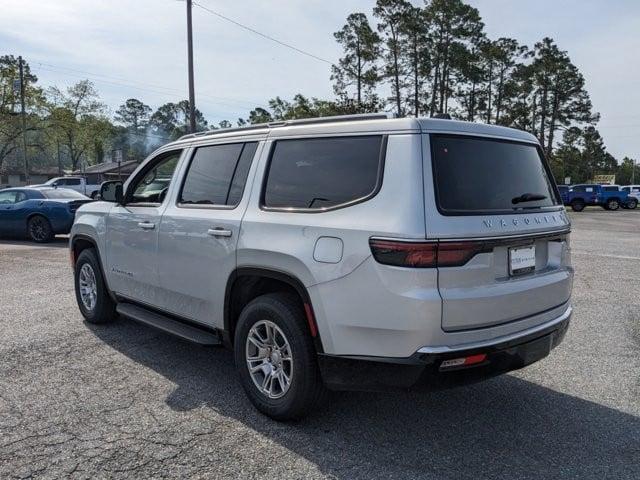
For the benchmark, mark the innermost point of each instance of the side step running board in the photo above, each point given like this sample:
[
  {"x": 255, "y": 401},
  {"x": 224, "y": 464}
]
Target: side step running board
[{"x": 167, "y": 324}]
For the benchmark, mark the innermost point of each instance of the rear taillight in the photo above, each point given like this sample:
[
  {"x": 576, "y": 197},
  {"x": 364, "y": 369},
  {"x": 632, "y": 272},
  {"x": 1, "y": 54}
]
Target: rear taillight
[
  {"x": 425, "y": 254},
  {"x": 405, "y": 254}
]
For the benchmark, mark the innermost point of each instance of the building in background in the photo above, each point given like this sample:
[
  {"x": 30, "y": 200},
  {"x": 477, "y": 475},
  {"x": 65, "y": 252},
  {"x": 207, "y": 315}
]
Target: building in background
[
  {"x": 102, "y": 172},
  {"x": 13, "y": 176}
]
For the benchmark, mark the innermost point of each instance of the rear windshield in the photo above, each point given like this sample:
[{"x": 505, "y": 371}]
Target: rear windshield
[
  {"x": 479, "y": 175},
  {"x": 62, "y": 193}
]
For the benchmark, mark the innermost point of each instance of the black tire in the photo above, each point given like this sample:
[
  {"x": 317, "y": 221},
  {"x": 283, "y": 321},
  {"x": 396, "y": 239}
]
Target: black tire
[
  {"x": 104, "y": 309},
  {"x": 577, "y": 205},
  {"x": 632, "y": 204},
  {"x": 613, "y": 204},
  {"x": 306, "y": 391},
  {"x": 39, "y": 229}
]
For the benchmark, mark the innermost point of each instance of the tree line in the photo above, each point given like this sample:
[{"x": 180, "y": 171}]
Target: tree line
[{"x": 409, "y": 60}]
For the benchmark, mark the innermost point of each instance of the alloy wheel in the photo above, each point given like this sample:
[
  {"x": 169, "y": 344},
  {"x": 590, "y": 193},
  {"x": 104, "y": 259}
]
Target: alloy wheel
[
  {"x": 269, "y": 359},
  {"x": 88, "y": 287},
  {"x": 38, "y": 229}
]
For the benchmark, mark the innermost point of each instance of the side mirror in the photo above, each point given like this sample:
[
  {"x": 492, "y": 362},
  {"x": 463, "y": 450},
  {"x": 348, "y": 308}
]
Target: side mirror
[
  {"x": 111, "y": 191},
  {"x": 54, "y": 184}
]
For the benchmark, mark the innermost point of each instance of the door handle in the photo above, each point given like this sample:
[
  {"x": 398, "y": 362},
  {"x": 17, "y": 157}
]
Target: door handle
[
  {"x": 147, "y": 225},
  {"x": 218, "y": 232}
]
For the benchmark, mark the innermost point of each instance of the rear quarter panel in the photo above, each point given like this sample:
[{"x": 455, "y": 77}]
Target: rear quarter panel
[{"x": 286, "y": 241}]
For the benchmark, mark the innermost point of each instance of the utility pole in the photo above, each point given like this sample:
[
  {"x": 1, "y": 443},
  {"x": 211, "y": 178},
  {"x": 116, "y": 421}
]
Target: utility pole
[
  {"x": 192, "y": 95},
  {"x": 24, "y": 123}
]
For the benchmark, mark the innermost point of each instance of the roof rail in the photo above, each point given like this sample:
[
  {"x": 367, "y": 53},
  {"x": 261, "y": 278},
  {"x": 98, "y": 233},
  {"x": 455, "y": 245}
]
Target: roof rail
[
  {"x": 284, "y": 123},
  {"x": 255, "y": 126}
]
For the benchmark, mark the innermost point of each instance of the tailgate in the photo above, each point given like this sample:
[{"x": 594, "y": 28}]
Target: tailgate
[
  {"x": 495, "y": 212},
  {"x": 509, "y": 280}
]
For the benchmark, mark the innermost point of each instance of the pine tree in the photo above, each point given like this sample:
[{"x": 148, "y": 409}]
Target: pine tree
[
  {"x": 357, "y": 69},
  {"x": 454, "y": 25},
  {"x": 392, "y": 16}
]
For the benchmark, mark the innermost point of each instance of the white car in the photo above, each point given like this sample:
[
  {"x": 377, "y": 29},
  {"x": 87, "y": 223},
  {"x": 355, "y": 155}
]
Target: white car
[
  {"x": 343, "y": 253},
  {"x": 79, "y": 184},
  {"x": 632, "y": 190}
]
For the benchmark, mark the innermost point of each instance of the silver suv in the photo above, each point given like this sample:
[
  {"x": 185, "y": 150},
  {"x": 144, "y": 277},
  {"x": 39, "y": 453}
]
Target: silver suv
[{"x": 342, "y": 253}]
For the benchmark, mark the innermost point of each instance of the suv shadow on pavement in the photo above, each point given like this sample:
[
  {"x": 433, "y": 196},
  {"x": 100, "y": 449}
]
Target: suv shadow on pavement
[{"x": 502, "y": 428}]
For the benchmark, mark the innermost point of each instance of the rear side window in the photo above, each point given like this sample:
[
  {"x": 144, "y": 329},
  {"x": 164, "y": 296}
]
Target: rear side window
[
  {"x": 320, "y": 173},
  {"x": 611, "y": 189},
  {"x": 217, "y": 174},
  {"x": 479, "y": 175}
]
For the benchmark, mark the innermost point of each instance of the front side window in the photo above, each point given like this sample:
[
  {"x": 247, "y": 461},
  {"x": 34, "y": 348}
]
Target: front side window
[
  {"x": 321, "y": 173},
  {"x": 475, "y": 175},
  {"x": 8, "y": 198},
  {"x": 152, "y": 187},
  {"x": 217, "y": 174}
]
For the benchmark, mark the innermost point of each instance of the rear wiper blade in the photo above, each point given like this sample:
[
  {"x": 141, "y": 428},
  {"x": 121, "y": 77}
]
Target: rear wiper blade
[{"x": 528, "y": 197}]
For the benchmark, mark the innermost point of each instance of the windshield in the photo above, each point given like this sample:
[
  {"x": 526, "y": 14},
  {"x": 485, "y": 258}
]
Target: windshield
[
  {"x": 59, "y": 193},
  {"x": 480, "y": 175}
]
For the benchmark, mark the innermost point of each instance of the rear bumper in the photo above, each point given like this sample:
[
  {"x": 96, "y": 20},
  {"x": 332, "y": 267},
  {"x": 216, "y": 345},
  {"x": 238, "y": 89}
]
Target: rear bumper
[{"x": 422, "y": 371}]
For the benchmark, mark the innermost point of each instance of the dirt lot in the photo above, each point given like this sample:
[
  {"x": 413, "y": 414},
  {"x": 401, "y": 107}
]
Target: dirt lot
[{"x": 126, "y": 401}]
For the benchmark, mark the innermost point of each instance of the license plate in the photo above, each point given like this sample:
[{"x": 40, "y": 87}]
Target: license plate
[{"x": 522, "y": 260}]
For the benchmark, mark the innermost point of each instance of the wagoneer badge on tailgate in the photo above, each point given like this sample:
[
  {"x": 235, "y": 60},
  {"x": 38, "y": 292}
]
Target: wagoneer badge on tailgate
[{"x": 555, "y": 218}]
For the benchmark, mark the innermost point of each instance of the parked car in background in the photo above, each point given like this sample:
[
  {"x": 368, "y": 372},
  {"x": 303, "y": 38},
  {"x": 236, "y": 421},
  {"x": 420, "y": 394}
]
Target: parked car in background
[
  {"x": 632, "y": 190},
  {"x": 348, "y": 253},
  {"x": 79, "y": 184},
  {"x": 564, "y": 193},
  {"x": 38, "y": 213},
  {"x": 609, "y": 197},
  {"x": 616, "y": 192}
]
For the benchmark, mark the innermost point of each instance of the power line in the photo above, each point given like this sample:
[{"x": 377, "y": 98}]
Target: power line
[{"x": 263, "y": 35}]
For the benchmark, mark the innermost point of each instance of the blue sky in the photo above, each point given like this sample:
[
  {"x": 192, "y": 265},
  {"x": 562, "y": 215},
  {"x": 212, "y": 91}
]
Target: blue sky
[{"x": 138, "y": 49}]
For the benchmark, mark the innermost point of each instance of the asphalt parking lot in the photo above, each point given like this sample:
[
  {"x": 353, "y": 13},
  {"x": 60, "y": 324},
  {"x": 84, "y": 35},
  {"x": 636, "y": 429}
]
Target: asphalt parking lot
[{"x": 125, "y": 401}]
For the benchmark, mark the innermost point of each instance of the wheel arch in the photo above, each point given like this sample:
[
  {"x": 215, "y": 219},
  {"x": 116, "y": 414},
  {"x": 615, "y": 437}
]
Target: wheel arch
[
  {"x": 37, "y": 213},
  {"x": 80, "y": 242},
  {"x": 246, "y": 283}
]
